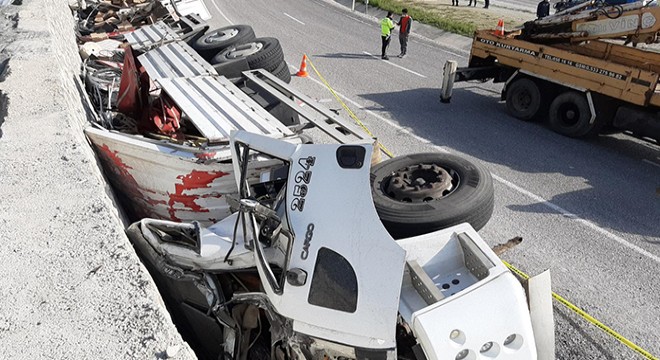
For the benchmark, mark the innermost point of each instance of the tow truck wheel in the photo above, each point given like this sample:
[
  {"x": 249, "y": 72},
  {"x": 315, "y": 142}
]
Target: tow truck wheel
[
  {"x": 421, "y": 193},
  {"x": 217, "y": 40},
  {"x": 570, "y": 114},
  {"x": 523, "y": 99}
]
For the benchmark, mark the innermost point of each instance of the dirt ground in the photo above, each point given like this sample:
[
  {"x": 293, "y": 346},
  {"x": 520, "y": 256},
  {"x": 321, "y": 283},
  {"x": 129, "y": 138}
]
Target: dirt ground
[{"x": 477, "y": 15}]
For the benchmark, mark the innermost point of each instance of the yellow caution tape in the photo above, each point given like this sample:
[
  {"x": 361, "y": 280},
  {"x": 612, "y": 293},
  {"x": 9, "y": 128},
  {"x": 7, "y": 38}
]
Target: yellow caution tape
[
  {"x": 589, "y": 318},
  {"x": 565, "y": 302},
  {"x": 348, "y": 110}
]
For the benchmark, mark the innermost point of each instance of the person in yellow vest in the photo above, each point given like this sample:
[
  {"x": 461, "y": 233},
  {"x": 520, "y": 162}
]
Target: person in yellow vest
[{"x": 386, "y": 27}]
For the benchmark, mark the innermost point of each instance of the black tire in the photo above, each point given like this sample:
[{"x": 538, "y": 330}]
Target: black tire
[
  {"x": 194, "y": 37},
  {"x": 261, "y": 53},
  {"x": 470, "y": 199},
  {"x": 570, "y": 115},
  {"x": 282, "y": 72},
  {"x": 217, "y": 40},
  {"x": 523, "y": 99}
]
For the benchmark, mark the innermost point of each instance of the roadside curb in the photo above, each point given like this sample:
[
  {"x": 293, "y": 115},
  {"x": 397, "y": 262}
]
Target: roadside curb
[{"x": 72, "y": 287}]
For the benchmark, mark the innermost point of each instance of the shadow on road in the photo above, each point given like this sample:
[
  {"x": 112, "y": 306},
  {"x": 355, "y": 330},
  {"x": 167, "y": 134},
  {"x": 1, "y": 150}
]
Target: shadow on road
[
  {"x": 476, "y": 124},
  {"x": 346, "y": 56}
]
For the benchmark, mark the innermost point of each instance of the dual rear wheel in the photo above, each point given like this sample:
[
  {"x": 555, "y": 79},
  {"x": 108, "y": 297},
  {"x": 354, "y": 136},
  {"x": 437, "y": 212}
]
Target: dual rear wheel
[{"x": 569, "y": 112}]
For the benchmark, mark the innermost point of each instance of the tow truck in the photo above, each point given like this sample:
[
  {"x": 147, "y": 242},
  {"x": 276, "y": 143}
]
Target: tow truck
[{"x": 576, "y": 67}]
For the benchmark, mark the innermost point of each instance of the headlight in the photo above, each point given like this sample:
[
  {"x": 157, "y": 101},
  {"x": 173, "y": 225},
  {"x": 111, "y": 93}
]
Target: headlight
[
  {"x": 462, "y": 355},
  {"x": 509, "y": 339}
]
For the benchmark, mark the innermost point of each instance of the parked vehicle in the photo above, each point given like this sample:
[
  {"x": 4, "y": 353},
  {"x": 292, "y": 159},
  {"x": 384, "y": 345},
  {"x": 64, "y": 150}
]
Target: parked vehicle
[
  {"x": 306, "y": 270},
  {"x": 557, "y": 66}
]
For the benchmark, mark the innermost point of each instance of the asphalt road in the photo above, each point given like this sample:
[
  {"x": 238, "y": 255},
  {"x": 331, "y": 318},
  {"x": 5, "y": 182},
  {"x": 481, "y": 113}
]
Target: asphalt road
[{"x": 588, "y": 210}]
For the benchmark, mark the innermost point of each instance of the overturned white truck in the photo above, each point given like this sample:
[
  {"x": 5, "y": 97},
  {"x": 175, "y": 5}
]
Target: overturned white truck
[
  {"x": 269, "y": 247},
  {"x": 185, "y": 173},
  {"x": 305, "y": 270}
]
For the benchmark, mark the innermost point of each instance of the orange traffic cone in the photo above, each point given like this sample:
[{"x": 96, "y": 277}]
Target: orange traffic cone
[
  {"x": 303, "y": 67},
  {"x": 500, "y": 28}
]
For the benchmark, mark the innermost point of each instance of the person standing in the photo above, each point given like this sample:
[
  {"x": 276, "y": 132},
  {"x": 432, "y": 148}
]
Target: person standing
[
  {"x": 470, "y": 3},
  {"x": 543, "y": 9},
  {"x": 404, "y": 30},
  {"x": 454, "y": 2},
  {"x": 386, "y": 27},
  {"x": 486, "y": 3}
]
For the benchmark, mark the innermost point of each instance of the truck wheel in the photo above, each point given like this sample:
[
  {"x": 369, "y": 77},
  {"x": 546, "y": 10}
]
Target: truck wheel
[
  {"x": 523, "y": 99},
  {"x": 569, "y": 115},
  {"x": 215, "y": 41},
  {"x": 420, "y": 193},
  {"x": 262, "y": 53},
  {"x": 282, "y": 72}
]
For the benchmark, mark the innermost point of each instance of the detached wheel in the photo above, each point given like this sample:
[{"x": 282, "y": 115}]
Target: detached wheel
[
  {"x": 523, "y": 99},
  {"x": 569, "y": 115},
  {"x": 262, "y": 53},
  {"x": 421, "y": 193},
  {"x": 216, "y": 40}
]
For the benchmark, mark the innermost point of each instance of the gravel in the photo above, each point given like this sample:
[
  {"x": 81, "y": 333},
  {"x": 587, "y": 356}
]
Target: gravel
[{"x": 71, "y": 286}]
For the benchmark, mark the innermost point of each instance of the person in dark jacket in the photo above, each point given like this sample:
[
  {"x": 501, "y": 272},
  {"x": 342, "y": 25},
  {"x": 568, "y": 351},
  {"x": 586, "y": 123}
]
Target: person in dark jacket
[
  {"x": 405, "y": 24},
  {"x": 543, "y": 9}
]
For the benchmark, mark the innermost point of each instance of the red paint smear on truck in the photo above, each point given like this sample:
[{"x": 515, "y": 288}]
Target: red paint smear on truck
[
  {"x": 194, "y": 180},
  {"x": 125, "y": 181}
]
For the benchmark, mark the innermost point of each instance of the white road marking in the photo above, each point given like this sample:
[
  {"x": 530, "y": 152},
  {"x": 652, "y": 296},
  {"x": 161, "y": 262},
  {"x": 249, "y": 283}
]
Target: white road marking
[
  {"x": 294, "y": 19},
  {"x": 509, "y": 184},
  {"x": 395, "y": 65},
  {"x": 221, "y": 13},
  {"x": 587, "y": 223},
  {"x": 360, "y": 17},
  {"x": 651, "y": 162}
]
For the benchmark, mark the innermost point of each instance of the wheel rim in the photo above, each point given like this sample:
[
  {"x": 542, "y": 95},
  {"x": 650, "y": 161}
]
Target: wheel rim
[
  {"x": 420, "y": 183},
  {"x": 221, "y": 36},
  {"x": 522, "y": 101},
  {"x": 569, "y": 114},
  {"x": 244, "y": 50}
]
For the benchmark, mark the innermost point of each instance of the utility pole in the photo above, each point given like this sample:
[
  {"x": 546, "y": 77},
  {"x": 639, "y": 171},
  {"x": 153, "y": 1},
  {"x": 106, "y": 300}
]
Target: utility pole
[{"x": 353, "y": 6}]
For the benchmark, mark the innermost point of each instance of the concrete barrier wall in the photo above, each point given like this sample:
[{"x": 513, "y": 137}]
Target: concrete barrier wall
[{"x": 71, "y": 286}]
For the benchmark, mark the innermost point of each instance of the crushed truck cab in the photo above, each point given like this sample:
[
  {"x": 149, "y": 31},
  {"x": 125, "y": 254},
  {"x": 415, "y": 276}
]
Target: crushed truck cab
[{"x": 308, "y": 259}]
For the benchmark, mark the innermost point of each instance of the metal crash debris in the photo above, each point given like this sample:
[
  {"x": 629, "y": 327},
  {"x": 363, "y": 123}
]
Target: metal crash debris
[
  {"x": 278, "y": 279},
  {"x": 242, "y": 215}
]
